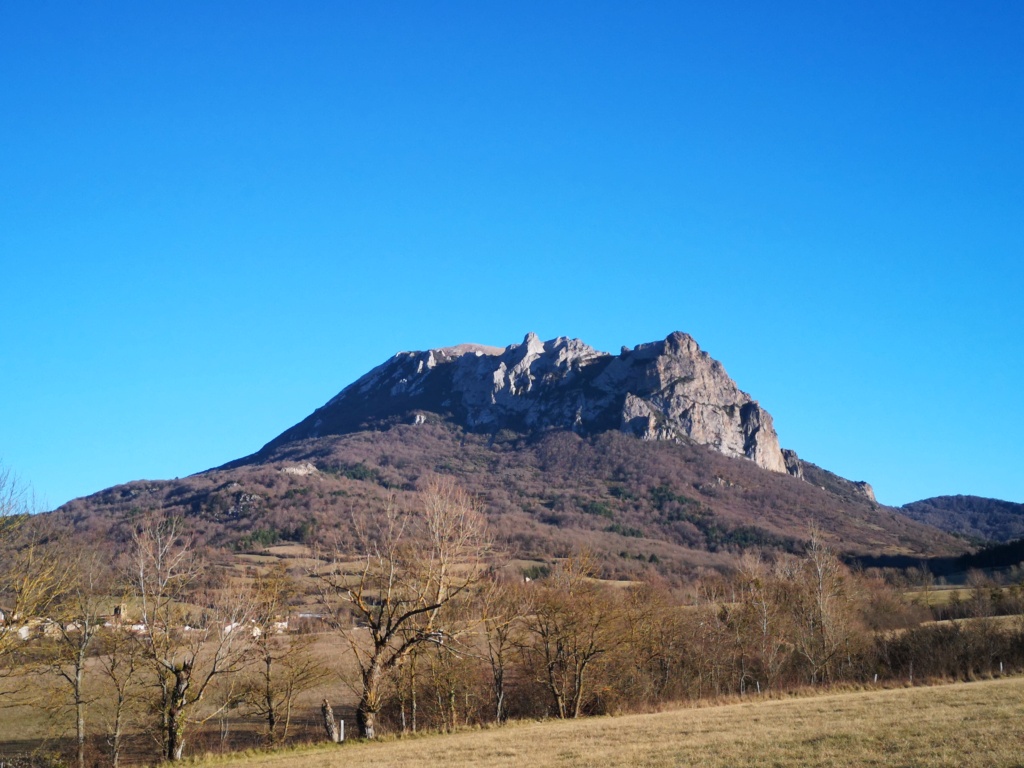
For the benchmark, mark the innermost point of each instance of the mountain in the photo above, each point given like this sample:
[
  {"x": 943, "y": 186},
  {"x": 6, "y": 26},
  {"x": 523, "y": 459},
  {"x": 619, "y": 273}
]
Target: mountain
[
  {"x": 652, "y": 458},
  {"x": 665, "y": 390},
  {"x": 972, "y": 517}
]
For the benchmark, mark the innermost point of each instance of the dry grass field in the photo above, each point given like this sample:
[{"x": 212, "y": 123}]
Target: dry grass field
[{"x": 966, "y": 724}]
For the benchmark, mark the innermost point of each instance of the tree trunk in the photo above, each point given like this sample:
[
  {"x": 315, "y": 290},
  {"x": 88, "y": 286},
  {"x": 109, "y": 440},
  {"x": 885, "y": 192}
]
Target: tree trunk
[
  {"x": 80, "y": 715},
  {"x": 452, "y": 706},
  {"x": 369, "y": 702},
  {"x": 412, "y": 679},
  {"x": 272, "y": 725},
  {"x": 115, "y": 741},
  {"x": 577, "y": 694},
  {"x": 176, "y": 716},
  {"x": 366, "y": 721},
  {"x": 175, "y": 732},
  {"x": 268, "y": 700},
  {"x": 117, "y": 727},
  {"x": 80, "y": 733},
  {"x": 499, "y": 696},
  {"x": 330, "y": 724}
]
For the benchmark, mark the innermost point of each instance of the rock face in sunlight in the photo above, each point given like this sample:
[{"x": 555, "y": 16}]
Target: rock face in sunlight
[{"x": 667, "y": 390}]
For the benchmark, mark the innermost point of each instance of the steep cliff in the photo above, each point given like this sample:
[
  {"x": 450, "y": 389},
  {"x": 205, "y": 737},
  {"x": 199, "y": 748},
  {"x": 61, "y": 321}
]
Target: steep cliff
[{"x": 665, "y": 390}]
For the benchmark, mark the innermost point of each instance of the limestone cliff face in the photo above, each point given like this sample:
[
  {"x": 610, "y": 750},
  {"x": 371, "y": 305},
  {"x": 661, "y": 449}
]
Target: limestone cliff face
[
  {"x": 674, "y": 390},
  {"x": 664, "y": 390}
]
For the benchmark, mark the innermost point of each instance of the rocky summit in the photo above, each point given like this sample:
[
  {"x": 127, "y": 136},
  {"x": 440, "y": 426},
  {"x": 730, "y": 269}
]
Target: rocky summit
[
  {"x": 666, "y": 390},
  {"x": 651, "y": 458}
]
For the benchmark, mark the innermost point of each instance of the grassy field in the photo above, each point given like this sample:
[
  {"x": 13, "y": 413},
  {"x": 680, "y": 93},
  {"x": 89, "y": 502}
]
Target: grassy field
[{"x": 966, "y": 724}]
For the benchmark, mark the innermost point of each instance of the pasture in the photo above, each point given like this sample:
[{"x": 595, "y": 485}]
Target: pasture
[{"x": 962, "y": 724}]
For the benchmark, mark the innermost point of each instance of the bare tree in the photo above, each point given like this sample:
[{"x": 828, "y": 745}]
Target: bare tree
[
  {"x": 573, "y": 624},
  {"x": 284, "y": 663},
  {"x": 15, "y": 496},
  {"x": 822, "y": 606},
  {"x": 193, "y": 639},
  {"x": 454, "y": 668},
  {"x": 503, "y": 604},
  {"x": 655, "y": 640},
  {"x": 407, "y": 686},
  {"x": 982, "y": 634},
  {"x": 31, "y": 573},
  {"x": 413, "y": 565},
  {"x": 120, "y": 664},
  {"x": 762, "y": 619},
  {"x": 77, "y": 619},
  {"x": 714, "y": 637}
]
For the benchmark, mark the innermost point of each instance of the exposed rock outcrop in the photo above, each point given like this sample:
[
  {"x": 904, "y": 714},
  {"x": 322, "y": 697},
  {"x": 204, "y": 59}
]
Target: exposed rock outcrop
[
  {"x": 866, "y": 489},
  {"x": 793, "y": 464},
  {"x": 664, "y": 390}
]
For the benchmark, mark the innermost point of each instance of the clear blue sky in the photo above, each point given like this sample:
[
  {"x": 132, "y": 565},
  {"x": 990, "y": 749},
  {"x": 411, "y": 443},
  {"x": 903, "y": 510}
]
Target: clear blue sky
[{"x": 214, "y": 216}]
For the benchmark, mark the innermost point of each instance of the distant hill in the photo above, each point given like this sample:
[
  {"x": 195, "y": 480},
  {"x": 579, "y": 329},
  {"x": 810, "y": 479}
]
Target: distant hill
[
  {"x": 653, "y": 458},
  {"x": 973, "y": 517}
]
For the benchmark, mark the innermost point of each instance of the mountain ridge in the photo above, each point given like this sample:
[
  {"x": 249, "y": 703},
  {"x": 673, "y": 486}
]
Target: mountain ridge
[
  {"x": 662, "y": 390},
  {"x": 974, "y": 517}
]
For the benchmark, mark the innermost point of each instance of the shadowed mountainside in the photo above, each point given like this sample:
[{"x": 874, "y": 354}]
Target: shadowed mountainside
[{"x": 972, "y": 517}]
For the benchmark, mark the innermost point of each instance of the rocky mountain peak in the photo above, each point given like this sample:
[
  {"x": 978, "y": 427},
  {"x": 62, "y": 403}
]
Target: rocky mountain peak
[{"x": 662, "y": 390}]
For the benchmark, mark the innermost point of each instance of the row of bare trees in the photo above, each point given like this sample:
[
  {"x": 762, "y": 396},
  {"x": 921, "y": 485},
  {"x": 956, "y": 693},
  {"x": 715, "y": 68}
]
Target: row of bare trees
[
  {"x": 440, "y": 630},
  {"x": 418, "y": 568},
  {"x": 141, "y": 644},
  {"x": 147, "y": 642},
  {"x": 569, "y": 646}
]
